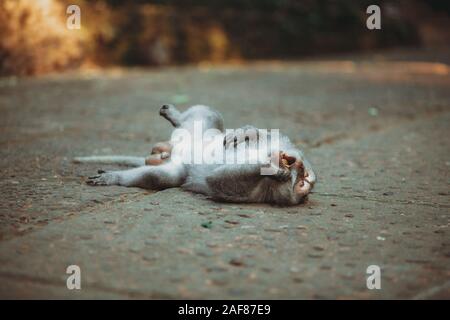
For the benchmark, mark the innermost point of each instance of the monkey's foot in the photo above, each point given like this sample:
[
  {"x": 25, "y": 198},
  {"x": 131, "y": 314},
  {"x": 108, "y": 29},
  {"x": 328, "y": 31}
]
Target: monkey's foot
[
  {"x": 169, "y": 112},
  {"x": 157, "y": 159},
  {"x": 103, "y": 179}
]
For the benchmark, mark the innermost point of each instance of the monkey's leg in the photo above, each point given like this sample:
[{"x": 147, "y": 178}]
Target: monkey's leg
[
  {"x": 148, "y": 177},
  {"x": 171, "y": 113}
]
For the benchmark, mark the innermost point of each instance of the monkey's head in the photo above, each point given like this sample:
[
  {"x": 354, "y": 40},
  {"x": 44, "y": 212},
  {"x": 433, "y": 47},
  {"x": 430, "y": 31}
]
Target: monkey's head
[{"x": 302, "y": 177}]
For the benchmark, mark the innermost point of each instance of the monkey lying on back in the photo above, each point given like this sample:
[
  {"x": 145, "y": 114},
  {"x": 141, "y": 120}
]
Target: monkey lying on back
[{"x": 277, "y": 175}]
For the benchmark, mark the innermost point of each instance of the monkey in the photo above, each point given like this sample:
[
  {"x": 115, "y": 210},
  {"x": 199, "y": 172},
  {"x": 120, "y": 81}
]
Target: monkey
[{"x": 287, "y": 180}]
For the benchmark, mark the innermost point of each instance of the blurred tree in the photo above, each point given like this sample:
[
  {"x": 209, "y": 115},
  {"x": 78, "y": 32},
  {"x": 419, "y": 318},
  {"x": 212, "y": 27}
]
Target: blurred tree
[{"x": 159, "y": 32}]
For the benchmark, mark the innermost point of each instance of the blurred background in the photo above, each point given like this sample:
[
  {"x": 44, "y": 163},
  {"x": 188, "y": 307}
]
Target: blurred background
[{"x": 34, "y": 38}]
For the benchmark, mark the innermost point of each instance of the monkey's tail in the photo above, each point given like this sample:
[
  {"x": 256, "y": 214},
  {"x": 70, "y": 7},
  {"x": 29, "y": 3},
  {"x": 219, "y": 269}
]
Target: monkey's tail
[{"x": 120, "y": 160}]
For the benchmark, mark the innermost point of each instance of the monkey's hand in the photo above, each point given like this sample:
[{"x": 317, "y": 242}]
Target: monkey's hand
[
  {"x": 246, "y": 133},
  {"x": 283, "y": 170},
  {"x": 282, "y": 175}
]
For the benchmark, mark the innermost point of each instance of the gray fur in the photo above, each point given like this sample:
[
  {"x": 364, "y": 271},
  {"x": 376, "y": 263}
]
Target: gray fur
[{"x": 120, "y": 160}]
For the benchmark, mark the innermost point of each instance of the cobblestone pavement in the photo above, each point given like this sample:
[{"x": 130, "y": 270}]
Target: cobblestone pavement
[{"x": 375, "y": 128}]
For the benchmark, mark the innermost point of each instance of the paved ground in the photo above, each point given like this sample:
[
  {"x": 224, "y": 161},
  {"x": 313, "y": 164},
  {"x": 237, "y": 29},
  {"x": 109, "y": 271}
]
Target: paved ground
[{"x": 375, "y": 129}]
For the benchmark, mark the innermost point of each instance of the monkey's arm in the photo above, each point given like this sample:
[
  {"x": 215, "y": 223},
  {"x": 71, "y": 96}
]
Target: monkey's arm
[
  {"x": 233, "y": 172},
  {"x": 235, "y": 182}
]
